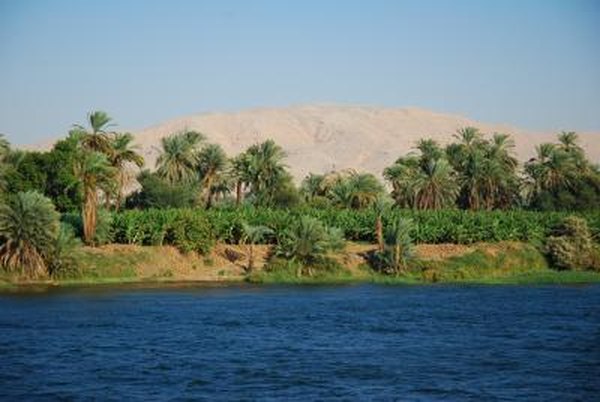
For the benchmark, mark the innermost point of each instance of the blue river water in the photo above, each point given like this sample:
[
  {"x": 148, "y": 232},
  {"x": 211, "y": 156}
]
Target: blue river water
[{"x": 361, "y": 342}]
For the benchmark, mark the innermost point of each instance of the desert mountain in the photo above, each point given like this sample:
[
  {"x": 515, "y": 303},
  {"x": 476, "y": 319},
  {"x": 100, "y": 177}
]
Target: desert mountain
[{"x": 320, "y": 138}]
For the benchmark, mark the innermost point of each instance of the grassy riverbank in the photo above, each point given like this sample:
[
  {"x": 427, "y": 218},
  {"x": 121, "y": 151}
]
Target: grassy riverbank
[{"x": 484, "y": 263}]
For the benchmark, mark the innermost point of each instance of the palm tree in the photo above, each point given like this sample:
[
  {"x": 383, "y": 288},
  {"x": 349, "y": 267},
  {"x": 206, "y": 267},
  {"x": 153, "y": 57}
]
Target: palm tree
[
  {"x": 266, "y": 170},
  {"x": 94, "y": 171},
  {"x": 123, "y": 153},
  {"x": 434, "y": 186},
  {"x": 4, "y": 151},
  {"x": 252, "y": 235},
  {"x": 96, "y": 138},
  {"x": 312, "y": 186},
  {"x": 307, "y": 241},
  {"x": 425, "y": 181},
  {"x": 401, "y": 175},
  {"x": 552, "y": 168},
  {"x": 380, "y": 206},
  {"x": 364, "y": 189},
  {"x": 486, "y": 169},
  {"x": 28, "y": 226},
  {"x": 240, "y": 172},
  {"x": 178, "y": 157},
  {"x": 398, "y": 244},
  {"x": 212, "y": 163},
  {"x": 569, "y": 143}
]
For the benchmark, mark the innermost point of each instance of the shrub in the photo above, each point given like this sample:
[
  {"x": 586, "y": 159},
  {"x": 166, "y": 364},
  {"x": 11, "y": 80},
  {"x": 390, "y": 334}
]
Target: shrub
[
  {"x": 433, "y": 227},
  {"x": 191, "y": 232},
  {"x": 187, "y": 229},
  {"x": 572, "y": 248}
]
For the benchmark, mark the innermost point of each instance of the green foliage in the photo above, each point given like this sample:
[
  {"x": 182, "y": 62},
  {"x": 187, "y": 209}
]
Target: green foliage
[
  {"x": 307, "y": 241},
  {"x": 29, "y": 224},
  {"x": 562, "y": 178},
  {"x": 433, "y": 227},
  {"x": 398, "y": 247},
  {"x": 186, "y": 229},
  {"x": 572, "y": 248},
  {"x": 424, "y": 182},
  {"x": 104, "y": 226},
  {"x": 190, "y": 232},
  {"x": 158, "y": 193},
  {"x": 178, "y": 160},
  {"x": 64, "y": 255},
  {"x": 280, "y": 270},
  {"x": 508, "y": 261}
]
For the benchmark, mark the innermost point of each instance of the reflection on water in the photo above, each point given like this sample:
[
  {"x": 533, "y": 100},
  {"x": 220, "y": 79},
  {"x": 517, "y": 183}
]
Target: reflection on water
[{"x": 232, "y": 342}]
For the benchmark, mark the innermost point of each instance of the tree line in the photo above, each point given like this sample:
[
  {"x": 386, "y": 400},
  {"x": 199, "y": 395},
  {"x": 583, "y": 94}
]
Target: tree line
[{"x": 92, "y": 169}]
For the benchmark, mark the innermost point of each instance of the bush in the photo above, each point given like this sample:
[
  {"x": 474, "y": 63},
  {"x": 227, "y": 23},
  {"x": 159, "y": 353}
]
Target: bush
[
  {"x": 188, "y": 230},
  {"x": 572, "y": 248},
  {"x": 433, "y": 227}
]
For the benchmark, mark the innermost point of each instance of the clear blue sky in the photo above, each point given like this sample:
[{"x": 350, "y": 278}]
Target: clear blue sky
[{"x": 534, "y": 64}]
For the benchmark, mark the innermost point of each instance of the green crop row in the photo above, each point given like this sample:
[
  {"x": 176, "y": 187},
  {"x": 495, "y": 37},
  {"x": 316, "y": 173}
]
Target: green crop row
[{"x": 197, "y": 229}]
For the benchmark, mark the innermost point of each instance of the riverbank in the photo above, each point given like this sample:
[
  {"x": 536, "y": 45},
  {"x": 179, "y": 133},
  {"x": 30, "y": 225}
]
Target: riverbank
[{"x": 483, "y": 263}]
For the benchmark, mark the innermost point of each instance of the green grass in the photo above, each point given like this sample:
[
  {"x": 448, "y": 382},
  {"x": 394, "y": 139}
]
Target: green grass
[
  {"x": 327, "y": 271},
  {"x": 509, "y": 264},
  {"x": 112, "y": 266}
]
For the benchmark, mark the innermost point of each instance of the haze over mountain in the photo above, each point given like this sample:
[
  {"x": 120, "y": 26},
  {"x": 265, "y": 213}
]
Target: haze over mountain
[{"x": 319, "y": 138}]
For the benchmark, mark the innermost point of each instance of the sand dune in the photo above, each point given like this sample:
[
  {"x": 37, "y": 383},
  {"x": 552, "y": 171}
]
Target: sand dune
[{"x": 319, "y": 138}]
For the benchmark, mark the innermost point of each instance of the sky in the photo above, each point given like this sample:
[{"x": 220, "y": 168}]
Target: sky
[{"x": 533, "y": 64}]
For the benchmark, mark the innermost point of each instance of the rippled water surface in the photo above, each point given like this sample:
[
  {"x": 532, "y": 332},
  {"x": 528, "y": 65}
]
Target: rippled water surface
[{"x": 303, "y": 343}]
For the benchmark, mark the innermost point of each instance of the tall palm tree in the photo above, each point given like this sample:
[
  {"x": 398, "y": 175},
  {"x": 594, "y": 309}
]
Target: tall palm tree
[
  {"x": 552, "y": 168},
  {"x": 95, "y": 137},
  {"x": 401, "y": 175},
  {"x": 212, "y": 163},
  {"x": 266, "y": 168},
  {"x": 486, "y": 169},
  {"x": 94, "y": 171},
  {"x": 569, "y": 143},
  {"x": 28, "y": 226},
  {"x": 240, "y": 172},
  {"x": 178, "y": 157},
  {"x": 434, "y": 186},
  {"x": 123, "y": 153},
  {"x": 312, "y": 186},
  {"x": 425, "y": 180},
  {"x": 364, "y": 189}
]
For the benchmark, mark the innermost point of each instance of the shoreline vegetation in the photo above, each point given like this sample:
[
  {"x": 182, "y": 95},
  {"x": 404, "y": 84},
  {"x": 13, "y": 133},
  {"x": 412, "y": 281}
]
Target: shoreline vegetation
[
  {"x": 89, "y": 212},
  {"x": 504, "y": 263}
]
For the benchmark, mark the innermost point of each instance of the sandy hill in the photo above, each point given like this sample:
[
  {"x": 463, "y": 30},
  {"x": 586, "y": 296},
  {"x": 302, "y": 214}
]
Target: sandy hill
[{"x": 319, "y": 138}]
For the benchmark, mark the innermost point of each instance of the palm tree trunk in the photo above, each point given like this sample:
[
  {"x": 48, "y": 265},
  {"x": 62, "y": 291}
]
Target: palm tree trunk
[
  {"x": 121, "y": 185},
  {"x": 251, "y": 259},
  {"x": 89, "y": 216},
  {"x": 379, "y": 233},
  {"x": 238, "y": 193},
  {"x": 208, "y": 191}
]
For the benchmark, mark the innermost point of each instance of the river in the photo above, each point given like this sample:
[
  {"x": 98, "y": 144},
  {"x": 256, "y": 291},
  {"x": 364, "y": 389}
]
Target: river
[{"x": 359, "y": 342}]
